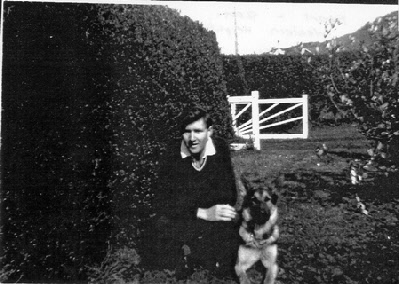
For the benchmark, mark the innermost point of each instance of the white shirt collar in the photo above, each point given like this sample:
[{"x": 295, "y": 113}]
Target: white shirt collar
[{"x": 209, "y": 149}]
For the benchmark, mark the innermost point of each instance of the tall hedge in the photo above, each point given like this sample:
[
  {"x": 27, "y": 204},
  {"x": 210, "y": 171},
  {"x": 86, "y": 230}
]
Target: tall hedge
[
  {"x": 91, "y": 96},
  {"x": 55, "y": 146},
  {"x": 273, "y": 76},
  {"x": 162, "y": 64},
  {"x": 286, "y": 76}
]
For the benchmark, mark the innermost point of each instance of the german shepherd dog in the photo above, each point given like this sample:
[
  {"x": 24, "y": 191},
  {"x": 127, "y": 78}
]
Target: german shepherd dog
[{"x": 259, "y": 230}]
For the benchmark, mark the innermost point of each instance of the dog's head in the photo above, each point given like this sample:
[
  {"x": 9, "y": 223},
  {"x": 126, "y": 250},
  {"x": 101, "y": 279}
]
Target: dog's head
[{"x": 260, "y": 198}]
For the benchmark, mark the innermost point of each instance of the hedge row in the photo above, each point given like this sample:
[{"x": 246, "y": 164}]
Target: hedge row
[
  {"x": 163, "y": 64},
  {"x": 284, "y": 77},
  {"x": 272, "y": 76},
  {"x": 91, "y": 97},
  {"x": 55, "y": 147}
]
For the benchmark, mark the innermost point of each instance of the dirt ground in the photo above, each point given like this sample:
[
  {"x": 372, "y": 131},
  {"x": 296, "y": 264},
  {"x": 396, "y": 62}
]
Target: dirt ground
[{"x": 325, "y": 235}]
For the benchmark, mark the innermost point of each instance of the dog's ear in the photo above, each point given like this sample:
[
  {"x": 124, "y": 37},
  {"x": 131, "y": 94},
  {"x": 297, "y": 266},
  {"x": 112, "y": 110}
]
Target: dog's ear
[
  {"x": 244, "y": 179},
  {"x": 274, "y": 198},
  {"x": 278, "y": 183},
  {"x": 242, "y": 186}
]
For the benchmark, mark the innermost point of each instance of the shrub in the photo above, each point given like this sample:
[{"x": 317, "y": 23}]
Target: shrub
[
  {"x": 368, "y": 87},
  {"x": 55, "y": 151},
  {"x": 327, "y": 80},
  {"x": 92, "y": 95},
  {"x": 117, "y": 267},
  {"x": 272, "y": 76},
  {"x": 163, "y": 63},
  {"x": 373, "y": 88}
]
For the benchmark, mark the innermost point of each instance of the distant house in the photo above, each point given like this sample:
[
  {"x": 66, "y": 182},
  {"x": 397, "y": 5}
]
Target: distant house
[
  {"x": 277, "y": 51},
  {"x": 306, "y": 50}
]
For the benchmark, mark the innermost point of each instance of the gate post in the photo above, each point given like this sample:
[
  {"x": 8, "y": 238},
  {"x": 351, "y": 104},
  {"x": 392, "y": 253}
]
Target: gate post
[
  {"x": 233, "y": 110},
  {"x": 305, "y": 114},
  {"x": 255, "y": 119}
]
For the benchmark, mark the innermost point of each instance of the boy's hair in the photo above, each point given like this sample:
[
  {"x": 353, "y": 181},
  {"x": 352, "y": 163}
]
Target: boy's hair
[{"x": 195, "y": 114}]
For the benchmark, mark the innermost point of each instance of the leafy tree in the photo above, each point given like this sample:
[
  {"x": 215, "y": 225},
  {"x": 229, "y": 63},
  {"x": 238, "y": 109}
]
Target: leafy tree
[
  {"x": 369, "y": 87},
  {"x": 327, "y": 78},
  {"x": 375, "y": 76}
]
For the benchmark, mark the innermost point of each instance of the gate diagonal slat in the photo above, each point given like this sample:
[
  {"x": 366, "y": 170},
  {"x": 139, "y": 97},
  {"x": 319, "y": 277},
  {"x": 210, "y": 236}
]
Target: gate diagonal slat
[
  {"x": 244, "y": 129},
  {"x": 280, "y": 112},
  {"x": 246, "y": 124},
  {"x": 246, "y": 132},
  {"x": 269, "y": 109},
  {"x": 242, "y": 111},
  {"x": 251, "y": 128},
  {"x": 280, "y": 122}
]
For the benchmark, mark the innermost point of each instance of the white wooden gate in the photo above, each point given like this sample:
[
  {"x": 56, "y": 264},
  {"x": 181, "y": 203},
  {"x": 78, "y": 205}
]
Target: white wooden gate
[{"x": 251, "y": 128}]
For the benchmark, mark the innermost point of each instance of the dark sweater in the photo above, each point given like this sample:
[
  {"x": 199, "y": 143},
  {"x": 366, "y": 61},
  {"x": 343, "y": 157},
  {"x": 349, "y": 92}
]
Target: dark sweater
[{"x": 182, "y": 190}]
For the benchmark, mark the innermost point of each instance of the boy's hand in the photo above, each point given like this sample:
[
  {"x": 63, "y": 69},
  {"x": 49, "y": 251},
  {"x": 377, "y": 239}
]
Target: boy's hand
[{"x": 217, "y": 213}]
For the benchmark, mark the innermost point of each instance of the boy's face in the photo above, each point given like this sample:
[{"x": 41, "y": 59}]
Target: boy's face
[{"x": 196, "y": 136}]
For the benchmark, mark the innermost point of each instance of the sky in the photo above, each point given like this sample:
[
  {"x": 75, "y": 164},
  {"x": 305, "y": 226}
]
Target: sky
[{"x": 262, "y": 26}]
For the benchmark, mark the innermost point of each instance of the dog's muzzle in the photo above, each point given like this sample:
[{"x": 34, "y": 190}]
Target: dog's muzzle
[{"x": 259, "y": 215}]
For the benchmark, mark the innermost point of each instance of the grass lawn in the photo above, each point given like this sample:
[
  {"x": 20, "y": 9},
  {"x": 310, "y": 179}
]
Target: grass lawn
[
  {"x": 289, "y": 155},
  {"x": 324, "y": 238}
]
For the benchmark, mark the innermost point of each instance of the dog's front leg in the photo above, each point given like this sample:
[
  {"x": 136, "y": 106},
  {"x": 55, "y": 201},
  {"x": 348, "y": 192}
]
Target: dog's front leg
[
  {"x": 247, "y": 257},
  {"x": 269, "y": 260},
  {"x": 271, "y": 274}
]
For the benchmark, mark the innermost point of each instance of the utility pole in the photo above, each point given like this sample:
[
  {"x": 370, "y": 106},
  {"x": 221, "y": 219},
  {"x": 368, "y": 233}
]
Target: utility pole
[{"x": 235, "y": 30}]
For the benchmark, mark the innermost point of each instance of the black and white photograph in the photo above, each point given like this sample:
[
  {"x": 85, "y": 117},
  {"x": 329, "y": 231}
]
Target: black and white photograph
[{"x": 199, "y": 142}]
